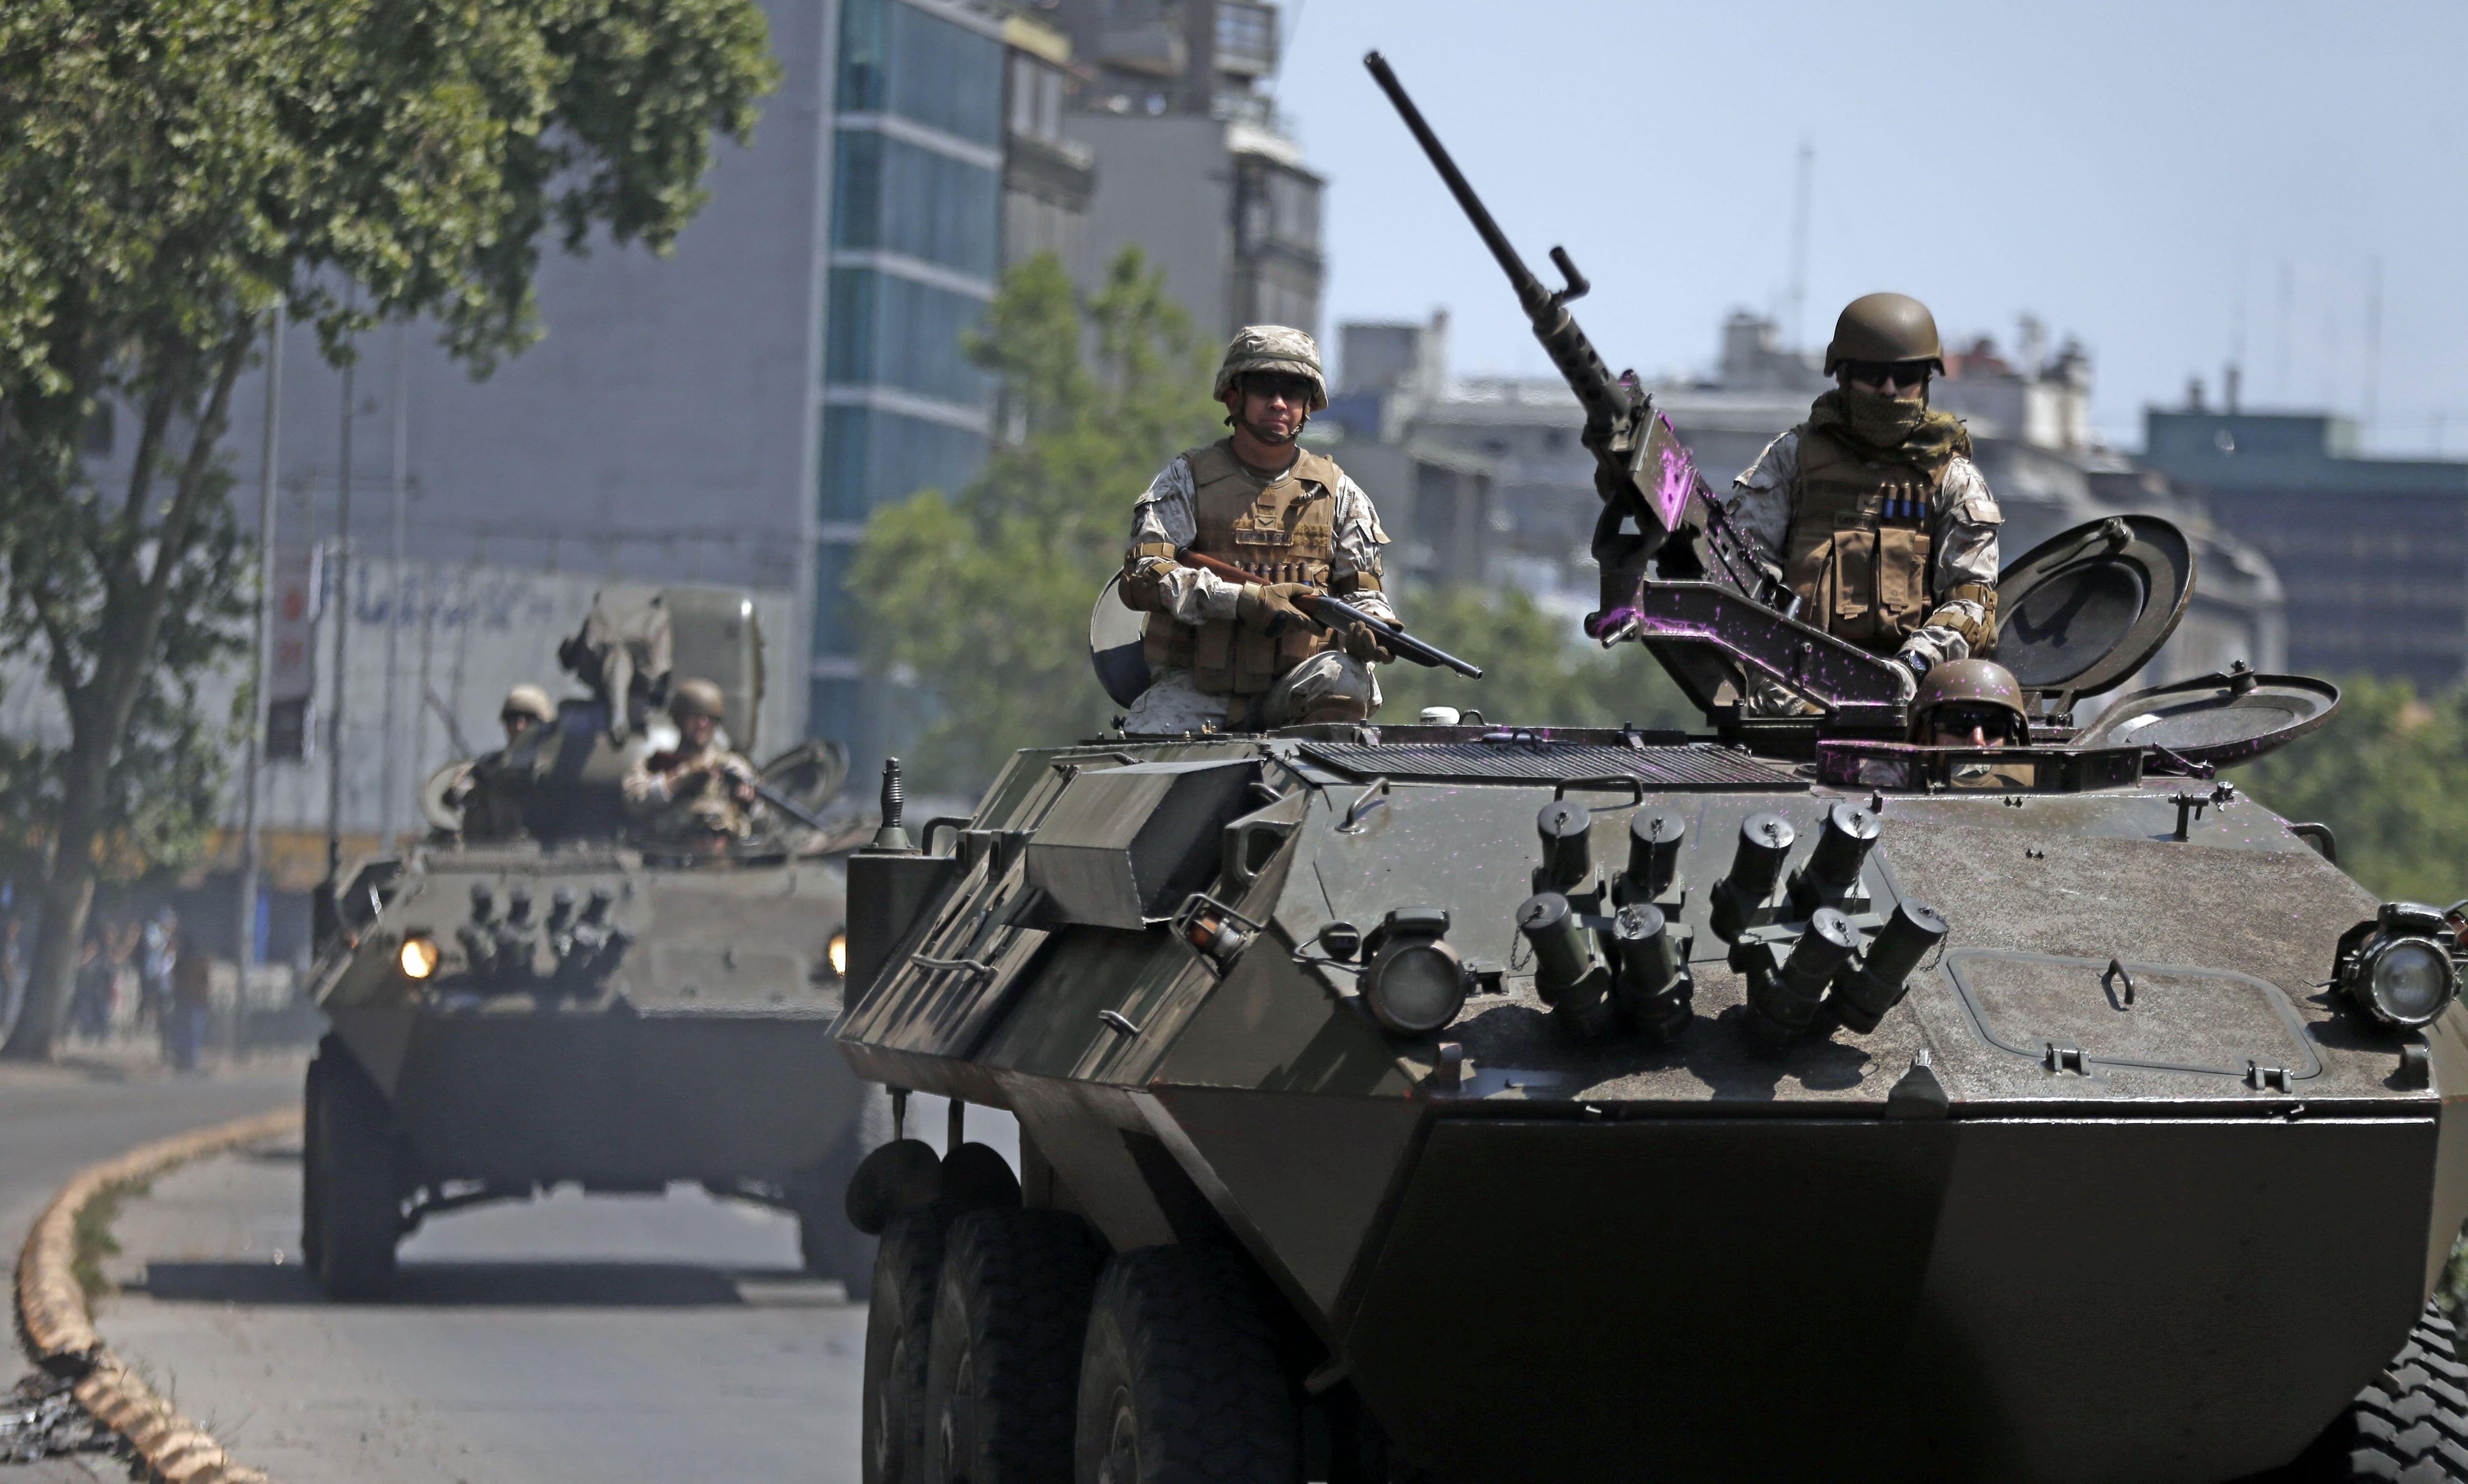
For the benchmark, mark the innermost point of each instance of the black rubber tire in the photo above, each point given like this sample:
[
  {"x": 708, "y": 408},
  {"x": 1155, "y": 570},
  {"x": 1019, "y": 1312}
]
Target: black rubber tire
[
  {"x": 357, "y": 1207},
  {"x": 898, "y": 1330},
  {"x": 1178, "y": 1378},
  {"x": 827, "y": 1243},
  {"x": 2408, "y": 1426},
  {"x": 1003, "y": 1377},
  {"x": 312, "y": 1158}
]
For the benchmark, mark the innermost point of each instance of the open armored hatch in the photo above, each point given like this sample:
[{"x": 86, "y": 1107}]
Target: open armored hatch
[{"x": 2081, "y": 611}]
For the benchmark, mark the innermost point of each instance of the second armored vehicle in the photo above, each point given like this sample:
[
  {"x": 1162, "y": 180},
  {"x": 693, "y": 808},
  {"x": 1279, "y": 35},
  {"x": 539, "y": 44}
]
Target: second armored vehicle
[{"x": 577, "y": 1005}]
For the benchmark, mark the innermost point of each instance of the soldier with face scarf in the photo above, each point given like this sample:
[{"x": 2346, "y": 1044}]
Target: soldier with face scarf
[{"x": 1872, "y": 508}]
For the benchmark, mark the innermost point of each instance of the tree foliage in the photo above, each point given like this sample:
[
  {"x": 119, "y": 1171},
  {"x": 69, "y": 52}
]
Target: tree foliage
[
  {"x": 168, "y": 170},
  {"x": 2389, "y": 775},
  {"x": 1536, "y": 670},
  {"x": 980, "y": 597}
]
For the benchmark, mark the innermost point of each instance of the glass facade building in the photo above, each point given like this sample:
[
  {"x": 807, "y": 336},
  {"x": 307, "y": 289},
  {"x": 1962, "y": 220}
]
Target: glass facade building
[{"x": 916, "y": 244}]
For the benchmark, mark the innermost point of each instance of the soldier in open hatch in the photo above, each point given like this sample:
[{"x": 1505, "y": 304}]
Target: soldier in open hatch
[
  {"x": 1880, "y": 522},
  {"x": 489, "y": 793},
  {"x": 1241, "y": 657},
  {"x": 1969, "y": 703},
  {"x": 697, "y": 794}
]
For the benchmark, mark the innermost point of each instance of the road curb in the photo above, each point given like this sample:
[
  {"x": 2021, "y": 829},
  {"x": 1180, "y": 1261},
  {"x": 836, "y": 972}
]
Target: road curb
[{"x": 58, "y": 1326}]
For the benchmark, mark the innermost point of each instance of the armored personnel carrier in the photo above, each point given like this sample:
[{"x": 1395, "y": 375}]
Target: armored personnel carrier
[
  {"x": 574, "y": 1005},
  {"x": 1779, "y": 1101}
]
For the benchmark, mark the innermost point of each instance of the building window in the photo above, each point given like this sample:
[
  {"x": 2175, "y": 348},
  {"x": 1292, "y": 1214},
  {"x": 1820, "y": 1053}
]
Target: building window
[
  {"x": 832, "y": 708},
  {"x": 887, "y": 331},
  {"x": 895, "y": 59},
  {"x": 892, "y": 196},
  {"x": 1246, "y": 37},
  {"x": 873, "y": 458},
  {"x": 1036, "y": 98}
]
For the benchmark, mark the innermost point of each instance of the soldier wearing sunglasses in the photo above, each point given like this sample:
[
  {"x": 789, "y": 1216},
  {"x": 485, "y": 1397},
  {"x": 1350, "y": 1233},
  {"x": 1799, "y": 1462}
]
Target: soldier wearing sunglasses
[
  {"x": 1872, "y": 509},
  {"x": 1241, "y": 657},
  {"x": 1969, "y": 703}
]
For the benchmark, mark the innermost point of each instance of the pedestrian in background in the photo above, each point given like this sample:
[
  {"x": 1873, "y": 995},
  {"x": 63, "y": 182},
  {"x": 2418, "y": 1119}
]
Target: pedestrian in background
[
  {"x": 185, "y": 1017},
  {"x": 155, "y": 949},
  {"x": 12, "y": 966},
  {"x": 90, "y": 1005}
]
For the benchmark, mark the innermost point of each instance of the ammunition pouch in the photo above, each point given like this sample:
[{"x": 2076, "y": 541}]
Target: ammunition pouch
[
  {"x": 1858, "y": 553},
  {"x": 1281, "y": 531}
]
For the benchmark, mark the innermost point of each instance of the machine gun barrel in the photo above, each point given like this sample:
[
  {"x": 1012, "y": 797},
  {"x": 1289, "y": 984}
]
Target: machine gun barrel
[{"x": 1608, "y": 404}]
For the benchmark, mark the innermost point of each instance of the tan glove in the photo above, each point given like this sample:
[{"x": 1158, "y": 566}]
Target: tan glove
[
  {"x": 1362, "y": 642},
  {"x": 1270, "y": 609}
]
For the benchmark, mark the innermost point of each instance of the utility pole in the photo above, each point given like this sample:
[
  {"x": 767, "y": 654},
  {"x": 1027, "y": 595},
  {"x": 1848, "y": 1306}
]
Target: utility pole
[
  {"x": 244, "y": 938},
  {"x": 2287, "y": 324},
  {"x": 342, "y": 639},
  {"x": 1799, "y": 245},
  {"x": 2373, "y": 342},
  {"x": 393, "y": 778}
]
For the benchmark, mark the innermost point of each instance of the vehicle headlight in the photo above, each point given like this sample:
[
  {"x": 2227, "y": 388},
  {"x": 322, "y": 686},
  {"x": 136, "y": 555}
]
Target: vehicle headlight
[
  {"x": 2410, "y": 980},
  {"x": 1415, "y": 983},
  {"x": 2396, "y": 967},
  {"x": 418, "y": 956},
  {"x": 837, "y": 953}
]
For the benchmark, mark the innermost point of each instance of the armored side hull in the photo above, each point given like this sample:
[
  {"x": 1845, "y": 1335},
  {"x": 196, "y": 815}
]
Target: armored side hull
[{"x": 2116, "y": 1191}]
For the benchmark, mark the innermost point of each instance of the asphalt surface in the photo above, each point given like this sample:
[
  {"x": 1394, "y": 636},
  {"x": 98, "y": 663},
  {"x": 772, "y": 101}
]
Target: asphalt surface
[
  {"x": 572, "y": 1338},
  {"x": 55, "y": 1120}
]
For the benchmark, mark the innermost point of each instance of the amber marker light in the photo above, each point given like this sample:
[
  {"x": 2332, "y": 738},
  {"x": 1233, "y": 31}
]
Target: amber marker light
[{"x": 418, "y": 956}]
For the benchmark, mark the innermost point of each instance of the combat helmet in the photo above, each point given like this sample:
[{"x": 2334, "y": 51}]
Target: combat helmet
[
  {"x": 698, "y": 698},
  {"x": 1884, "y": 328},
  {"x": 528, "y": 700},
  {"x": 1978, "y": 683},
  {"x": 1276, "y": 348}
]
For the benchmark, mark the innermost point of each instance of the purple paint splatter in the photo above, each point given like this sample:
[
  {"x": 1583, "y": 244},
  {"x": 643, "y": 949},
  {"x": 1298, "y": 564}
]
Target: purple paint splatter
[{"x": 1679, "y": 477}]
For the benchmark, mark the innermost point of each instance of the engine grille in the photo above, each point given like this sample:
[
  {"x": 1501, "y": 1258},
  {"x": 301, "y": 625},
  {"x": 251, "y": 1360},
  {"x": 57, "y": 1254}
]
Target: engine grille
[{"x": 1536, "y": 760}]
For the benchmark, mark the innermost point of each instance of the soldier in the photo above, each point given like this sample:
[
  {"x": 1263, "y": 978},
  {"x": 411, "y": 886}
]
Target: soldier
[
  {"x": 1242, "y": 657},
  {"x": 1879, "y": 522},
  {"x": 489, "y": 795},
  {"x": 1969, "y": 703},
  {"x": 697, "y": 795}
]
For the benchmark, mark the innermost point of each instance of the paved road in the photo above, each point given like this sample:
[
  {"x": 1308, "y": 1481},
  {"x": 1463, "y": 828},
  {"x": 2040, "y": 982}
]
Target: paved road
[
  {"x": 609, "y": 1338},
  {"x": 56, "y": 1120}
]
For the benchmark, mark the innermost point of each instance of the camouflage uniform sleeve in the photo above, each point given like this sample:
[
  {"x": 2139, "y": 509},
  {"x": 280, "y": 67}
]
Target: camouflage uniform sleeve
[
  {"x": 1964, "y": 548},
  {"x": 1355, "y": 572},
  {"x": 1760, "y": 500},
  {"x": 643, "y": 789},
  {"x": 1164, "y": 521}
]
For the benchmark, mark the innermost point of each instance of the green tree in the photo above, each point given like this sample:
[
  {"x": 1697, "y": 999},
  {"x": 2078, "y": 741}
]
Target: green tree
[
  {"x": 168, "y": 170},
  {"x": 982, "y": 596},
  {"x": 1537, "y": 671},
  {"x": 2389, "y": 775}
]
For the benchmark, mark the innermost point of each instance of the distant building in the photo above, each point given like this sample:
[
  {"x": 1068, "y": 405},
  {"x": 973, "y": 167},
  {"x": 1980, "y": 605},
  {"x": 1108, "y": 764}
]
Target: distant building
[
  {"x": 728, "y": 415},
  {"x": 1048, "y": 178},
  {"x": 2029, "y": 424},
  {"x": 2374, "y": 552},
  {"x": 1193, "y": 164}
]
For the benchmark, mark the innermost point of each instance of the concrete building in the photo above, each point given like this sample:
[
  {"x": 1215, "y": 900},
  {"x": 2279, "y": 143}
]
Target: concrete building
[
  {"x": 2028, "y": 419},
  {"x": 1193, "y": 163},
  {"x": 730, "y": 414},
  {"x": 2374, "y": 552}
]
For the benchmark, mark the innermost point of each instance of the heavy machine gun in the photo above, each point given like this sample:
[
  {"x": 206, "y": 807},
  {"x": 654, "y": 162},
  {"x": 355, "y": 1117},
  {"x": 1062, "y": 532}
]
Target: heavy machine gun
[{"x": 1677, "y": 573}]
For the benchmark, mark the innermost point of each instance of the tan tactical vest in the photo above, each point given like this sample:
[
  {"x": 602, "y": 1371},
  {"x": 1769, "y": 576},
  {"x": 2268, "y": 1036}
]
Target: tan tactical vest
[
  {"x": 1857, "y": 553},
  {"x": 1282, "y": 531}
]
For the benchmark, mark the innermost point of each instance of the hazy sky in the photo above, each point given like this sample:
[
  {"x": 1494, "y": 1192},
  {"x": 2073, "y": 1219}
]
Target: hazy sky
[{"x": 2116, "y": 169}]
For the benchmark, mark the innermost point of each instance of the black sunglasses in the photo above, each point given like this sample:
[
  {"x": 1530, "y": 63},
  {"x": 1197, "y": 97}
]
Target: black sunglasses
[
  {"x": 1962, "y": 719},
  {"x": 1877, "y": 373}
]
